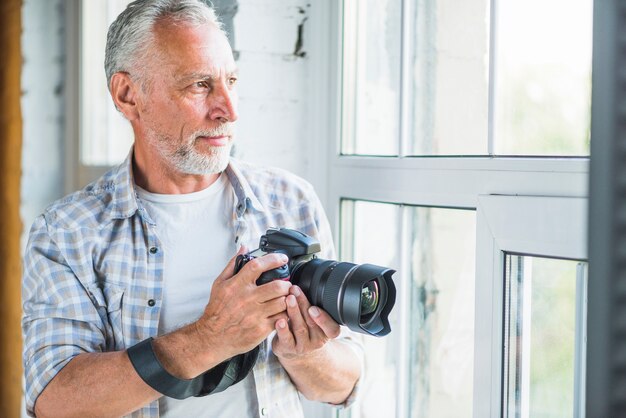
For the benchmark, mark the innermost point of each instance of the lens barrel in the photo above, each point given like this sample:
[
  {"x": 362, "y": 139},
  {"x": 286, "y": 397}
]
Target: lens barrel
[{"x": 338, "y": 288}]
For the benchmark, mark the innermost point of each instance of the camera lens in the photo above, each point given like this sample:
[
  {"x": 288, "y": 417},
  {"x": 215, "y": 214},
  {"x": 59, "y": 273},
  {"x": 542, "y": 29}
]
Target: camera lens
[
  {"x": 359, "y": 296},
  {"x": 369, "y": 297}
]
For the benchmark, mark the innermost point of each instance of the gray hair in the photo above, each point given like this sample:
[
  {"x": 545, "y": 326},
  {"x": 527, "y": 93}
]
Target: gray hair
[{"x": 130, "y": 35}]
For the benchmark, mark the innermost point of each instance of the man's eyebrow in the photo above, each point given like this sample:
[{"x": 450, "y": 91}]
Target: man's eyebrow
[{"x": 205, "y": 76}]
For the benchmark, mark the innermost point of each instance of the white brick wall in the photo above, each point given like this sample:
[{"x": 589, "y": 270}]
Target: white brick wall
[{"x": 274, "y": 84}]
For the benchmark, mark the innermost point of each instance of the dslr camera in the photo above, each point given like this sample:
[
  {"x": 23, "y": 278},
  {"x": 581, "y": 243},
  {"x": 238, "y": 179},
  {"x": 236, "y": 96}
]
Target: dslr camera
[{"x": 359, "y": 296}]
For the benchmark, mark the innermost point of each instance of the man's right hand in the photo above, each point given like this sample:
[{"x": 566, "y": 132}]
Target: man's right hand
[
  {"x": 241, "y": 314},
  {"x": 237, "y": 318}
]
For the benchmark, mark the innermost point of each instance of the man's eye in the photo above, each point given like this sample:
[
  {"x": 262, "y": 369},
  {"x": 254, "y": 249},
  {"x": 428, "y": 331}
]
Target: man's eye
[
  {"x": 202, "y": 84},
  {"x": 232, "y": 81}
]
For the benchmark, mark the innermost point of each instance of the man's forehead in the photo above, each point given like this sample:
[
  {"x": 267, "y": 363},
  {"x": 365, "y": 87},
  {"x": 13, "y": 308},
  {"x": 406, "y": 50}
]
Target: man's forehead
[
  {"x": 198, "y": 51},
  {"x": 168, "y": 33}
]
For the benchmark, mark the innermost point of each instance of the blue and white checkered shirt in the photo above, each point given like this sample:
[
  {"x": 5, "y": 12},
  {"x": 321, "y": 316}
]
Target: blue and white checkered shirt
[{"x": 93, "y": 274}]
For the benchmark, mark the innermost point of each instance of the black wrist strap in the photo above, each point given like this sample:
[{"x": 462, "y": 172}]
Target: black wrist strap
[
  {"x": 215, "y": 380},
  {"x": 154, "y": 374},
  {"x": 228, "y": 373}
]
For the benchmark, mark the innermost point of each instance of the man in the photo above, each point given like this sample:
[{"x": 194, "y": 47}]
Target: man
[{"x": 134, "y": 254}]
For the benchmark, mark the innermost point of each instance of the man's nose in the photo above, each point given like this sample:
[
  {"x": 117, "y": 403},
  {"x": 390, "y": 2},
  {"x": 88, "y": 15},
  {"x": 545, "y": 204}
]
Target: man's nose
[{"x": 224, "y": 106}]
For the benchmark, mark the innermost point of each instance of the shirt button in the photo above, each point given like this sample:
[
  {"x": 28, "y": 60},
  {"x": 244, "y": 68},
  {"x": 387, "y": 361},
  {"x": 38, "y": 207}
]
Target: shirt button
[
  {"x": 151, "y": 302},
  {"x": 263, "y": 411},
  {"x": 154, "y": 250}
]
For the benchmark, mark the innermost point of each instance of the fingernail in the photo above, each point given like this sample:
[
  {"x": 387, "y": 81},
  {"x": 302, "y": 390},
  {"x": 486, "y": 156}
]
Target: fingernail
[
  {"x": 284, "y": 258},
  {"x": 314, "y": 312},
  {"x": 296, "y": 291},
  {"x": 291, "y": 301},
  {"x": 281, "y": 323}
]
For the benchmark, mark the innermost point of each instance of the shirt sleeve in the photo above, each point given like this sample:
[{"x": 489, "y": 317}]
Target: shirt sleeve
[
  {"x": 353, "y": 341},
  {"x": 60, "y": 319}
]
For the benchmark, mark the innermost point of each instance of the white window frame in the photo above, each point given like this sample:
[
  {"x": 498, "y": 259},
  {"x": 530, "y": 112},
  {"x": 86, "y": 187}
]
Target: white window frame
[
  {"x": 532, "y": 225},
  {"x": 477, "y": 183}
]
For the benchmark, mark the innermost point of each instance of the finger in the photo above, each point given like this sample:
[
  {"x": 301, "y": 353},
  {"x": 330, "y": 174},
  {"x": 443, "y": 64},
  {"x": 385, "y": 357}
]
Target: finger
[
  {"x": 242, "y": 250},
  {"x": 274, "y": 306},
  {"x": 272, "y": 290},
  {"x": 229, "y": 270},
  {"x": 275, "y": 318},
  {"x": 326, "y": 323},
  {"x": 284, "y": 334},
  {"x": 304, "y": 305},
  {"x": 254, "y": 268},
  {"x": 299, "y": 326}
]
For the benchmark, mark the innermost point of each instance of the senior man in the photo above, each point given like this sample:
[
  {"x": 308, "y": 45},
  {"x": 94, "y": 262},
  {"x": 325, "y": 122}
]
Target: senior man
[{"x": 134, "y": 263}]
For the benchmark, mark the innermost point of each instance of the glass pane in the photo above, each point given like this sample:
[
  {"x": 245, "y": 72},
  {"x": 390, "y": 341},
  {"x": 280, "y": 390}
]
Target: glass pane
[
  {"x": 371, "y": 77},
  {"x": 449, "y": 78},
  {"x": 540, "y": 336},
  {"x": 543, "y": 75},
  {"x": 361, "y": 243},
  {"x": 441, "y": 324},
  {"x": 437, "y": 364},
  {"x": 105, "y": 136}
]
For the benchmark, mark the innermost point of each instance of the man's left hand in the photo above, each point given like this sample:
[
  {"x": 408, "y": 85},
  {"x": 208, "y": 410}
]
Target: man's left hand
[{"x": 308, "y": 328}]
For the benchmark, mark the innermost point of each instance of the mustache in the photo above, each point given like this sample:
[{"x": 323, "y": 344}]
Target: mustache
[{"x": 225, "y": 129}]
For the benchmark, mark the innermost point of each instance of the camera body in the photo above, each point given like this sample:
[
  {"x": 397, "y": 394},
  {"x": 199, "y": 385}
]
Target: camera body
[
  {"x": 299, "y": 247},
  {"x": 358, "y": 296}
]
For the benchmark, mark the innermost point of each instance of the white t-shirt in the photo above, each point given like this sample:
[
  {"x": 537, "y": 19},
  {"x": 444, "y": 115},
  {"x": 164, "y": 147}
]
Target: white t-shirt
[{"x": 197, "y": 239}]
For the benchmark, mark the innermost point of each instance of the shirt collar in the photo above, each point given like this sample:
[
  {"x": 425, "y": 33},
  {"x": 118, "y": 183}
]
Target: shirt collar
[
  {"x": 125, "y": 197},
  {"x": 246, "y": 198}
]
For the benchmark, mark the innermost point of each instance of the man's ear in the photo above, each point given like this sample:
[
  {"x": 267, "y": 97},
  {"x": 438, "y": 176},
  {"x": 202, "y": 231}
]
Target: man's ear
[{"x": 124, "y": 93}]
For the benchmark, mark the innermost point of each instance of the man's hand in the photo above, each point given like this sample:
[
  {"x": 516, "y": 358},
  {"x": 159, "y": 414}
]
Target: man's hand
[
  {"x": 321, "y": 367},
  {"x": 241, "y": 314},
  {"x": 308, "y": 330}
]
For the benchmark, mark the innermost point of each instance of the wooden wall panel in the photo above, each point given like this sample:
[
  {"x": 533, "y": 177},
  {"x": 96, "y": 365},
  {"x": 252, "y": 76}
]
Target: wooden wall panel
[{"x": 10, "y": 224}]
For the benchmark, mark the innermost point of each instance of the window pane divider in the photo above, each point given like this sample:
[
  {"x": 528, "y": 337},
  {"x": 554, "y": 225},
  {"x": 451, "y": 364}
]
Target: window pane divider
[
  {"x": 526, "y": 326},
  {"x": 403, "y": 300},
  {"x": 405, "y": 72},
  {"x": 454, "y": 183},
  {"x": 492, "y": 78},
  {"x": 580, "y": 348}
]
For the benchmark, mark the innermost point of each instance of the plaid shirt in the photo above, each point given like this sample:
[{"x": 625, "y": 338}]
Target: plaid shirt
[{"x": 93, "y": 274}]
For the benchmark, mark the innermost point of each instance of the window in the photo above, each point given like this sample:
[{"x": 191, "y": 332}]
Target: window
[
  {"x": 543, "y": 77},
  {"x": 98, "y": 136},
  {"x": 531, "y": 300},
  {"x": 464, "y": 139},
  {"x": 106, "y": 135},
  {"x": 542, "y": 298},
  {"x": 432, "y": 346}
]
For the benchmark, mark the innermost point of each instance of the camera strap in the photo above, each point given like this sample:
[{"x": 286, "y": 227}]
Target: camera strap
[
  {"x": 228, "y": 373},
  {"x": 215, "y": 380}
]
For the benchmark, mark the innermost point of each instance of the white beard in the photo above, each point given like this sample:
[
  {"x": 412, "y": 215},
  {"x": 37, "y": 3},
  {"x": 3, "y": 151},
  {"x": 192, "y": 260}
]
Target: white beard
[{"x": 185, "y": 158}]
